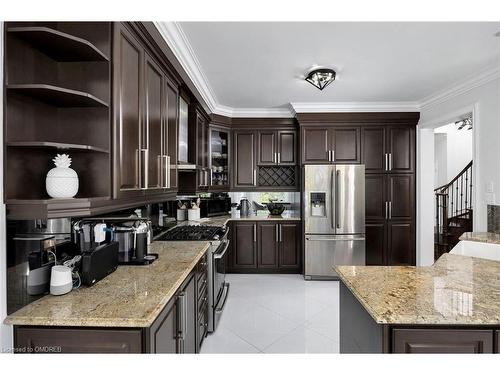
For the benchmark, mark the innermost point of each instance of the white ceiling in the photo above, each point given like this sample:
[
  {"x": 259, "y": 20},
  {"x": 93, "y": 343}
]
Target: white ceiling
[{"x": 259, "y": 65}]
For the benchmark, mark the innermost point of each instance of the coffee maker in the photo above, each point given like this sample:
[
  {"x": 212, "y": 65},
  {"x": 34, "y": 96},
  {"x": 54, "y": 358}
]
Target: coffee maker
[{"x": 133, "y": 235}]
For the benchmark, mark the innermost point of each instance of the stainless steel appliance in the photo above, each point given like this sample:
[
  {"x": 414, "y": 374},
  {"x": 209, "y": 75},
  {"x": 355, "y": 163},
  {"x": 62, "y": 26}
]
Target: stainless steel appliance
[
  {"x": 218, "y": 288},
  {"x": 244, "y": 207},
  {"x": 133, "y": 235},
  {"x": 334, "y": 218}
]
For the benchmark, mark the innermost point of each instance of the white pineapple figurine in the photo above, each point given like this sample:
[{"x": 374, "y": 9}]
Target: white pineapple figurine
[{"x": 62, "y": 181}]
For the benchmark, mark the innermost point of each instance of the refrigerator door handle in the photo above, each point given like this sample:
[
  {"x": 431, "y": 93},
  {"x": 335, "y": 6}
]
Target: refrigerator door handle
[
  {"x": 337, "y": 198},
  {"x": 332, "y": 199}
]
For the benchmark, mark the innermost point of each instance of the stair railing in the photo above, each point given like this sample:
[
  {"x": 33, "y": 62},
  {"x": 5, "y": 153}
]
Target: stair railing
[{"x": 454, "y": 199}]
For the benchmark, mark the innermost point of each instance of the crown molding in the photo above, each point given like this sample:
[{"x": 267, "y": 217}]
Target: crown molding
[
  {"x": 179, "y": 44},
  {"x": 469, "y": 84},
  {"x": 331, "y": 107},
  {"x": 181, "y": 48}
]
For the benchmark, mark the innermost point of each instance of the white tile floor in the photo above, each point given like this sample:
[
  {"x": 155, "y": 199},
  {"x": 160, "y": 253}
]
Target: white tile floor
[{"x": 277, "y": 314}]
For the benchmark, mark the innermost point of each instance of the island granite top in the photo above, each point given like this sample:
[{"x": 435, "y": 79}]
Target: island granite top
[
  {"x": 456, "y": 290},
  {"x": 132, "y": 296}
]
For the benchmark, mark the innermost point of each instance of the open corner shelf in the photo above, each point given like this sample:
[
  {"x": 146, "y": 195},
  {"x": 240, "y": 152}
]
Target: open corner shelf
[
  {"x": 59, "y": 45},
  {"x": 56, "y": 145},
  {"x": 49, "y": 208},
  {"x": 58, "y": 96}
]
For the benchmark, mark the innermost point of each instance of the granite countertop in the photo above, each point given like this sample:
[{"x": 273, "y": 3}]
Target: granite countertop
[
  {"x": 455, "y": 290},
  {"x": 132, "y": 296},
  {"x": 261, "y": 215},
  {"x": 481, "y": 237}
]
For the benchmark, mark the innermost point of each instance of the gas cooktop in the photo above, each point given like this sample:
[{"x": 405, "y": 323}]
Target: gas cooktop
[{"x": 193, "y": 233}]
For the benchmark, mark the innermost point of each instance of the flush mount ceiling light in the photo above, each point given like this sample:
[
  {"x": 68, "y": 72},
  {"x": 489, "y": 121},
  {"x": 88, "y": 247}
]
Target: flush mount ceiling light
[{"x": 321, "y": 77}]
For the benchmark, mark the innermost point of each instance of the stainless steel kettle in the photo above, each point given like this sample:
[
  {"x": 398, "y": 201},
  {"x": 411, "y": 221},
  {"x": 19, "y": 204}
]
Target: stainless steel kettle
[{"x": 244, "y": 207}]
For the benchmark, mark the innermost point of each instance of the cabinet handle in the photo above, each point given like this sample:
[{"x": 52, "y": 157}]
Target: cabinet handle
[
  {"x": 277, "y": 233},
  {"x": 386, "y": 210},
  {"x": 281, "y": 233},
  {"x": 168, "y": 172},
  {"x": 390, "y": 210},
  {"x": 182, "y": 315},
  {"x": 255, "y": 233},
  {"x": 279, "y": 157},
  {"x": 255, "y": 177},
  {"x": 390, "y": 161},
  {"x": 333, "y": 155},
  {"x": 275, "y": 158},
  {"x": 329, "y": 155},
  {"x": 144, "y": 160},
  {"x": 386, "y": 162}
]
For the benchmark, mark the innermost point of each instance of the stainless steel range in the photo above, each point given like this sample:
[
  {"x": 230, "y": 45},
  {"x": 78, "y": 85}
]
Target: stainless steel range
[{"x": 218, "y": 288}]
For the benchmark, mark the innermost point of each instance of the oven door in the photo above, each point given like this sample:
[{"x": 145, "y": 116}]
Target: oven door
[{"x": 220, "y": 286}]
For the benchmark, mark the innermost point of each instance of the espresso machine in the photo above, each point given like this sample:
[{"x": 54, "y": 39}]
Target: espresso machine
[{"x": 132, "y": 234}]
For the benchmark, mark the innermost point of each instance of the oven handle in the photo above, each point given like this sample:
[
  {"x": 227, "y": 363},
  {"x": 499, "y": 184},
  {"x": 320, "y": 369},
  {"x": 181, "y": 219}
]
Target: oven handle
[
  {"x": 220, "y": 254},
  {"x": 219, "y": 309}
]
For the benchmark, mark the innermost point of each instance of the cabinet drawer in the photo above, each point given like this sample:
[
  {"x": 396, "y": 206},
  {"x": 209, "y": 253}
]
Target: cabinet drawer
[
  {"x": 74, "y": 340},
  {"x": 442, "y": 341}
]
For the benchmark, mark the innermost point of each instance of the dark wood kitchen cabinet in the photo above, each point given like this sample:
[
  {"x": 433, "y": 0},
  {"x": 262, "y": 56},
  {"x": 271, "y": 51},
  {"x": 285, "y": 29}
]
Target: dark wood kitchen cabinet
[
  {"x": 199, "y": 147},
  {"x": 179, "y": 328},
  {"x": 128, "y": 78},
  {"x": 277, "y": 147},
  {"x": 266, "y": 247},
  {"x": 244, "y": 245},
  {"x": 442, "y": 341},
  {"x": 289, "y": 246},
  {"x": 145, "y": 152},
  {"x": 388, "y": 148},
  {"x": 244, "y": 173},
  {"x": 390, "y": 219},
  {"x": 331, "y": 144}
]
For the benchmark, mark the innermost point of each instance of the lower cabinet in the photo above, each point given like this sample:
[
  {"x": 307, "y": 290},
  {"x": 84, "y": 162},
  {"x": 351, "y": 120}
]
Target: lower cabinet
[
  {"x": 265, "y": 246},
  {"x": 179, "y": 328},
  {"x": 442, "y": 341}
]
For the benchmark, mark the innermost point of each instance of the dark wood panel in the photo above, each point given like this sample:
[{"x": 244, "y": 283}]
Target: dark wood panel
[
  {"x": 267, "y": 234},
  {"x": 401, "y": 243},
  {"x": 245, "y": 245},
  {"x": 359, "y": 118},
  {"x": 287, "y": 147},
  {"x": 267, "y": 147},
  {"x": 459, "y": 341},
  {"x": 128, "y": 117},
  {"x": 401, "y": 196},
  {"x": 373, "y": 148},
  {"x": 401, "y": 142},
  {"x": 375, "y": 244},
  {"x": 69, "y": 340},
  {"x": 172, "y": 131},
  {"x": 497, "y": 341},
  {"x": 244, "y": 159},
  {"x": 315, "y": 145},
  {"x": 375, "y": 197},
  {"x": 153, "y": 121},
  {"x": 345, "y": 144},
  {"x": 189, "y": 342},
  {"x": 289, "y": 246},
  {"x": 164, "y": 331}
]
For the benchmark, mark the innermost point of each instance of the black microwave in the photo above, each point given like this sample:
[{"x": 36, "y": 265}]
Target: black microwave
[{"x": 215, "y": 206}]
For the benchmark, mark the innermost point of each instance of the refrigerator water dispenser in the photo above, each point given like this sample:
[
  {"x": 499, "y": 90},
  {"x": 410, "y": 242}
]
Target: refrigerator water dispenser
[{"x": 318, "y": 204}]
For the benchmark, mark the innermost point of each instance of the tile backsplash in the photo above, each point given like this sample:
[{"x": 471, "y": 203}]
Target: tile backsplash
[
  {"x": 289, "y": 197},
  {"x": 493, "y": 219}
]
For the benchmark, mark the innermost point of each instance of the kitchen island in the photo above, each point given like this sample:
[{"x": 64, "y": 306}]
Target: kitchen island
[
  {"x": 134, "y": 309},
  {"x": 452, "y": 306}
]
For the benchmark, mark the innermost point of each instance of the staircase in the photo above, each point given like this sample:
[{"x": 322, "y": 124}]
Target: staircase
[{"x": 453, "y": 211}]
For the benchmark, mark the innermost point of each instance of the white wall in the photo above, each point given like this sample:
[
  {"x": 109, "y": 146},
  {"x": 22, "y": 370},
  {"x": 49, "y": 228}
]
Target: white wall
[
  {"x": 5, "y": 331},
  {"x": 440, "y": 160},
  {"x": 484, "y": 102},
  {"x": 458, "y": 151}
]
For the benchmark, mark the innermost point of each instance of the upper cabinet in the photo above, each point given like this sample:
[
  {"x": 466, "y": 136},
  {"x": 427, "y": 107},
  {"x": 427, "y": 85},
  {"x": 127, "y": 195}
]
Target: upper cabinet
[
  {"x": 244, "y": 158},
  {"x": 219, "y": 158},
  {"x": 331, "y": 144},
  {"x": 389, "y": 148},
  {"x": 146, "y": 120},
  {"x": 265, "y": 159},
  {"x": 277, "y": 147}
]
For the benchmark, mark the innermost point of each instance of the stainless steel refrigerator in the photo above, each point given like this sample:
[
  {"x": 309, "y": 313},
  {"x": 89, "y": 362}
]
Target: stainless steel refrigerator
[{"x": 334, "y": 218}]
